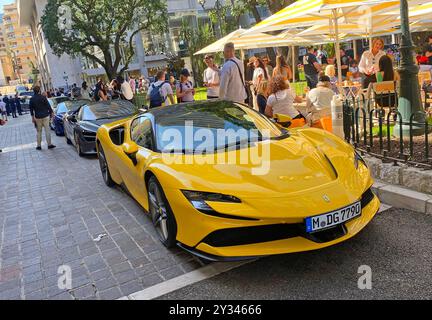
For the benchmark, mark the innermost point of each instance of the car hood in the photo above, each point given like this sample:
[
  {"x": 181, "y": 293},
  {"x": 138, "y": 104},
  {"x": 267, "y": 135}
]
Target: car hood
[{"x": 294, "y": 165}]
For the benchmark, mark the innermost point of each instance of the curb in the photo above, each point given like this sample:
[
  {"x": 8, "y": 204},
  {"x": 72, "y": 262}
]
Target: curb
[{"x": 403, "y": 198}]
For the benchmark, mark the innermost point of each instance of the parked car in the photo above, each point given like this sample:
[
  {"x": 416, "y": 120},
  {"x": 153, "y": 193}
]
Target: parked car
[
  {"x": 315, "y": 193},
  {"x": 63, "y": 108},
  {"x": 54, "y": 101},
  {"x": 25, "y": 97},
  {"x": 81, "y": 125}
]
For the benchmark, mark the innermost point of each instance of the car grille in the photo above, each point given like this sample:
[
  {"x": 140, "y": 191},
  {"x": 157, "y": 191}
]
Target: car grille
[{"x": 259, "y": 234}]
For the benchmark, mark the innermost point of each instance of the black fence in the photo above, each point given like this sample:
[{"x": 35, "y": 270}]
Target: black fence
[{"x": 376, "y": 127}]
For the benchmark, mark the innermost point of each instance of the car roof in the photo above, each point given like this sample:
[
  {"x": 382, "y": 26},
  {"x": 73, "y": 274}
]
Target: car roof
[{"x": 176, "y": 109}]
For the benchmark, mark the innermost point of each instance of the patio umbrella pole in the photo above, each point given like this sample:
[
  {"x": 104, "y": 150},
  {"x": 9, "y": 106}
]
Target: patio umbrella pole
[
  {"x": 337, "y": 49},
  {"x": 293, "y": 63}
]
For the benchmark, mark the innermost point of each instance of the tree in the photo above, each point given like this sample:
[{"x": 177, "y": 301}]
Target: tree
[
  {"x": 196, "y": 39},
  {"x": 101, "y": 30}
]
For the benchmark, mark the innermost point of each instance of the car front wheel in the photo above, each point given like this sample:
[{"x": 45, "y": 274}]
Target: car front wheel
[
  {"x": 161, "y": 214},
  {"x": 104, "y": 167}
]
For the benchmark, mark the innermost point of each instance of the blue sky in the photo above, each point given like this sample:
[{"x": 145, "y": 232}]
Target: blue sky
[{"x": 3, "y": 2}]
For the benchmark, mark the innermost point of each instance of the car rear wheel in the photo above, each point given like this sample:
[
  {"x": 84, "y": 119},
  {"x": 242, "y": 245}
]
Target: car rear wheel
[
  {"x": 161, "y": 214},
  {"x": 78, "y": 146},
  {"x": 104, "y": 167}
]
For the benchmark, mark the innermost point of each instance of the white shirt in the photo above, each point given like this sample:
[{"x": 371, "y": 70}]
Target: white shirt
[
  {"x": 126, "y": 90},
  {"x": 319, "y": 102},
  {"x": 283, "y": 103},
  {"x": 165, "y": 90},
  {"x": 231, "y": 85},
  {"x": 182, "y": 87},
  {"x": 211, "y": 76},
  {"x": 2, "y": 106},
  {"x": 368, "y": 60},
  {"x": 257, "y": 73}
]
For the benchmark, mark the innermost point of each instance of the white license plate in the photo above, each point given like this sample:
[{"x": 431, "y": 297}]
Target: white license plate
[{"x": 333, "y": 218}]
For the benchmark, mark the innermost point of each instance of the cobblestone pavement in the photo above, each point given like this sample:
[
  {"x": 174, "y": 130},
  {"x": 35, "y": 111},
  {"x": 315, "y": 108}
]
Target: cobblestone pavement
[{"x": 53, "y": 204}]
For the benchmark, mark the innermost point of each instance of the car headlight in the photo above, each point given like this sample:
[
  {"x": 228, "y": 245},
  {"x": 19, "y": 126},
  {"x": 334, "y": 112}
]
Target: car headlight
[
  {"x": 357, "y": 159},
  {"x": 198, "y": 199}
]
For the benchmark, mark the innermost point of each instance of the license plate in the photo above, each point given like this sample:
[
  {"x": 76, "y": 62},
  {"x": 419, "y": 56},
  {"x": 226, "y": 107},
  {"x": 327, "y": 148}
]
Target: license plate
[{"x": 333, "y": 218}]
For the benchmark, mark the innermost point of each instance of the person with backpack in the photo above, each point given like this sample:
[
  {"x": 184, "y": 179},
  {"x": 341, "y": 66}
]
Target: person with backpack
[
  {"x": 100, "y": 91},
  {"x": 160, "y": 92},
  {"x": 232, "y": 83},
  {"x": 184, "y": 89}
]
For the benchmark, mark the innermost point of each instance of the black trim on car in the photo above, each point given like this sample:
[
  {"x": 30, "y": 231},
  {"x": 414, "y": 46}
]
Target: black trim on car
[
  {"x": 212, "y": 257},
  {"x": 367, "y": 197}
]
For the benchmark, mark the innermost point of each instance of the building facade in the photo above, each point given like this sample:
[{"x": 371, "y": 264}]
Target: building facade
[
  {"x": 54, "y": 72},
  {"x": 18, "y": 56}
]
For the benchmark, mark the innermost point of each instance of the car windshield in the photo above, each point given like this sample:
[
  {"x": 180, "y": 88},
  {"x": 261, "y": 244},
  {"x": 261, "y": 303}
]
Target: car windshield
[
  {"x": 62, "y": 108},
  {"x": 107, "y": 110},
  {"x": 210, "y": 126},
  {"x": 27, "y": 93}
]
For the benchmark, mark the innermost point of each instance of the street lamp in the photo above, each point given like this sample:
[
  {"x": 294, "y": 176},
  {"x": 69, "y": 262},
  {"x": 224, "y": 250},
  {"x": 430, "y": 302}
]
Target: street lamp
[{"x": 409, "y": 96}]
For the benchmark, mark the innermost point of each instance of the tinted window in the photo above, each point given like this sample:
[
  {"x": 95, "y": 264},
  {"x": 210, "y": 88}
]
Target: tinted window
[
  {"x": 108, "y": 110},
  {"x": 211, "y": 125},
  {"x": 27, "y": 93},
  {"x": 62, "y": 108},
  {"x": 141, "y": 132}
]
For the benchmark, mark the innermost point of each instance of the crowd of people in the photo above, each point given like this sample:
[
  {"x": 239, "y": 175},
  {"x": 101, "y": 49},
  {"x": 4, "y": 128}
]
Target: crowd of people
[{"x": 10, "y": 106}]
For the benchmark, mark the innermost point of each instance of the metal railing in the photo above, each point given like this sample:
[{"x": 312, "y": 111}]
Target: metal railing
[{"x": 377, "y": 128}]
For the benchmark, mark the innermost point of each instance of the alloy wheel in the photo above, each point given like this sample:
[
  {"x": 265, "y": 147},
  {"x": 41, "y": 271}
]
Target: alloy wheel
[{"x": 158, "y": 212}]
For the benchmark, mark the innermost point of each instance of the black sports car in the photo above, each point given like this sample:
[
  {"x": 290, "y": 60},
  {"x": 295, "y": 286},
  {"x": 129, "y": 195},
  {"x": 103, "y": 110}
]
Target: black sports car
[
  {"x": 63, "y": 108},
  {"x": 80, "y": 125}
]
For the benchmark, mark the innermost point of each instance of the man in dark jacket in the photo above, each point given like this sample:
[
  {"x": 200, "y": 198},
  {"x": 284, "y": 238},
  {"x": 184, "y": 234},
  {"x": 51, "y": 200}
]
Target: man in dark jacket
[
  {"x": 6, "y": 101},
  {"x": 41, "y": 112},
  {"x": 12, "y": 106},
  {"x": 18, "y": 105}
]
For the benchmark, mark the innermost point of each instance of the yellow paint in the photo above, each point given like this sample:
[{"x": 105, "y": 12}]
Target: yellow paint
[{"x": 292, "y": 190}]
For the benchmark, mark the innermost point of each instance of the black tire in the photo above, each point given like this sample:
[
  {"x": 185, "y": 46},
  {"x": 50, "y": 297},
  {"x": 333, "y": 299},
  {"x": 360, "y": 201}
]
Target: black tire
[
  {"x": 77, "y": 145},
  {"x": 161, "y": 214},
  {"x": 104, "y": 168}
]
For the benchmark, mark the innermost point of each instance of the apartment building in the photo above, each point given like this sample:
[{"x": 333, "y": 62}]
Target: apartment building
[{"x": 16, "y": 48}]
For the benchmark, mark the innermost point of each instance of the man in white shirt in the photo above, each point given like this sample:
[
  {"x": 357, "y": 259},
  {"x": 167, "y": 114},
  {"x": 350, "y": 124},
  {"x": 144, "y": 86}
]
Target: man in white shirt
[
  {"x": 211, "y": 77},
  {"x": 165, "y": 90},
  {"x": 369, "y": 63},
  {"x": 232, "y": 86},
  {"x": 126, "y": 89}
]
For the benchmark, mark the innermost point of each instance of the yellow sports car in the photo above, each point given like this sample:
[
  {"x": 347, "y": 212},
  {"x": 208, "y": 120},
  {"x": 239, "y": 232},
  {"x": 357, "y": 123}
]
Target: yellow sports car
[{"x": 226, "y": 183}]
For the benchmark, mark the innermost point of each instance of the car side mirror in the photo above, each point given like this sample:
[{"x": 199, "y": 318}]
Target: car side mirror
[
  {"x": 131, "y": 149},
  {"x": 72, "y": 118}
]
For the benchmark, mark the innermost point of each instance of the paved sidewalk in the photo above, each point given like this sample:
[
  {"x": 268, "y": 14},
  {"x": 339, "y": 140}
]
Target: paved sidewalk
[{"x": 52, "y": 205}]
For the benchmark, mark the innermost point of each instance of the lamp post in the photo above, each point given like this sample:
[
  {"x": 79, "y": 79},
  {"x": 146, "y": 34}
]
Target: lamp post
[{"x": 409, "y": 96}]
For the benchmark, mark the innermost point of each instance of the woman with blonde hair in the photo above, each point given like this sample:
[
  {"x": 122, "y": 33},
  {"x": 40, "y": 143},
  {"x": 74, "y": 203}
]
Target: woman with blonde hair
[
  {"x": 369, "y": 63},
  {"x": 282, "y": 69},
  {"x": 262, "y": 95},
  {"x": 330, "y": 71},
  {"x": 281, "y": 100}
]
